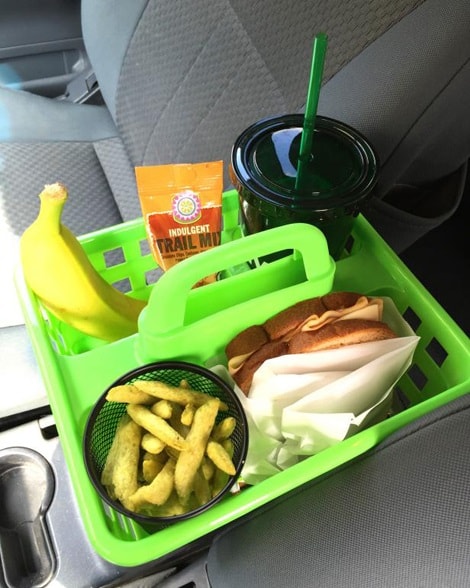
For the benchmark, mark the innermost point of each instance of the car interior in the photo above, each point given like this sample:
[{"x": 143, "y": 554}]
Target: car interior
[{"x": 89, "y": 91}]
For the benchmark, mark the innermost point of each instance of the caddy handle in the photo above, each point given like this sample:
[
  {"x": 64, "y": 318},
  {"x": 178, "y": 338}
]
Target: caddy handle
[{"x": 165, "y": 311}]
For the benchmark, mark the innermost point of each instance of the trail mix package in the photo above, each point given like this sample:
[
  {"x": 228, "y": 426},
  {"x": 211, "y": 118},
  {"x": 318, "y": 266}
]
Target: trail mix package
[{"x": 182, "y": 208}]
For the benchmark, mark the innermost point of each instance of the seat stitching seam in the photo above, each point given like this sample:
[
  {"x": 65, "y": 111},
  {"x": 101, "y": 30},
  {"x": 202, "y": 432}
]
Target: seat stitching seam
[{"x": 173, "y": 97}]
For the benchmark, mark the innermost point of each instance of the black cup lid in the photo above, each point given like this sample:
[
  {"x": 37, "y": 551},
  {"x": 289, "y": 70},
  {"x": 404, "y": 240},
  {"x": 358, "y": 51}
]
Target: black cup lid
[{"x": 341, "y": 170}]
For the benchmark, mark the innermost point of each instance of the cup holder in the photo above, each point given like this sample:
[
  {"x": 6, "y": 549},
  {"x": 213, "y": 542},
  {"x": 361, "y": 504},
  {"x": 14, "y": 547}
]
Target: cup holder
[{"x": 26, "y": 489}]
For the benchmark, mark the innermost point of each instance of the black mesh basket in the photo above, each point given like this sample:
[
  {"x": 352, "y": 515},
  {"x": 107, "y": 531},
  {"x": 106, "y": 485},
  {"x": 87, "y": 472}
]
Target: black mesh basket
[{"x": 102, "y": 422}]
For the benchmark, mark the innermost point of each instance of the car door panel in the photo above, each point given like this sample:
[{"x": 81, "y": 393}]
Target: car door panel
[{"x": 41, "y": 45}]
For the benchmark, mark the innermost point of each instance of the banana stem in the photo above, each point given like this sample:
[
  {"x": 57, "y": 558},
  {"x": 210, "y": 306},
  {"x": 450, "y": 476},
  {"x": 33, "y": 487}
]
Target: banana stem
[{"x": 52, "y": 198}]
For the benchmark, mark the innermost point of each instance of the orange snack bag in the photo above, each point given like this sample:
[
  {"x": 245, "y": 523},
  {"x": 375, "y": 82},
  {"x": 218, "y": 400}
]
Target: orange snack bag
[{"x": 182, "y": 208}]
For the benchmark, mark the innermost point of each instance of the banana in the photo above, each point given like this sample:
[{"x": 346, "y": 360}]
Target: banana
[{"x": 58, "y": 271}]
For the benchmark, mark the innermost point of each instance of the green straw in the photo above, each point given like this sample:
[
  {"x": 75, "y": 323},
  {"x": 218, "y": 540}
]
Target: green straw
[{"x": 313, "y": 94}]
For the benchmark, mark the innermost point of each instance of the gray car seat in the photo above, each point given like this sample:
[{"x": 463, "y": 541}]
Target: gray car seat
[
  {"x": 181, "y": 80},
  {"x": 396, "y": 516}
]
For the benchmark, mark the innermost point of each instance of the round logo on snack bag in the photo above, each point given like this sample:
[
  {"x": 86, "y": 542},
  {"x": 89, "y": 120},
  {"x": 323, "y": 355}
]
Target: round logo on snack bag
[{"x": 186, "y": 207}]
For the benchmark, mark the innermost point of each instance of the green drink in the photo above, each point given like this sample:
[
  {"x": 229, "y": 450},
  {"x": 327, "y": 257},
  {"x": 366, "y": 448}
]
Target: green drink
[{"x": 338, "y": 178}]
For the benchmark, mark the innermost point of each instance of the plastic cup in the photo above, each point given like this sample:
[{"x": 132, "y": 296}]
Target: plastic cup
[{"x": 340, "y": 177}]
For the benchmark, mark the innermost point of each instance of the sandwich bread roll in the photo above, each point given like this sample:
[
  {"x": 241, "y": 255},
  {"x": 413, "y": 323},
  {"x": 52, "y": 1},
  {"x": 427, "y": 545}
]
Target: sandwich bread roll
[
  {"x": 323, "y": 322},
  {"x": 339, "y": 334}
]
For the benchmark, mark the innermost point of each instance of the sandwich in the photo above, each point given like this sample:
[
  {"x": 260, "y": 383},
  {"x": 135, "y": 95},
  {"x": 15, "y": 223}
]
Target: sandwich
[{"x": 320, "y": 323}]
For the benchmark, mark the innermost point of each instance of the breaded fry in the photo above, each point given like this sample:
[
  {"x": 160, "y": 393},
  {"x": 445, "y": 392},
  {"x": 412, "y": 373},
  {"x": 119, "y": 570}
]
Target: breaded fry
[
  {"x": 124, "y": 472},
  {"x": 152, "y": 465},
  {"x": 156, "y": 425},
  {"x": 188, "y": 414},
  {"x": 175, "y": 421},
  {"x": 190, "y": 459},
  {"x": 158, "y": 491},
  {"x": 220, "y": 477},
  {"x": 171, "y": 508},
  {"x": 179, "y": 395},
  {"x": 207, "y": 468},
  {"x": 162, "y": 408},
  {"x": 152, "y": 444},
  {"x": 220, "y": 457},
  {"x": 130, "y": 394},
  {"x": 113, "y": 454},
  {"x": 224, "y": 429},
  {"x": 202, "y": 489},
  {"x": 171, "y": 452}
]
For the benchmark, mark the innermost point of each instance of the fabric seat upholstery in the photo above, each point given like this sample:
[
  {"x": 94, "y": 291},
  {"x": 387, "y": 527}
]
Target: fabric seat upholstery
[{"x": 182, "y": 80}]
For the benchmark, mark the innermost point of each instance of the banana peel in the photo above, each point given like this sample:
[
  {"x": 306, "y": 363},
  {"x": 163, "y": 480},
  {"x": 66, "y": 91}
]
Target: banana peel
[{"x": 58, "y": 271}]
